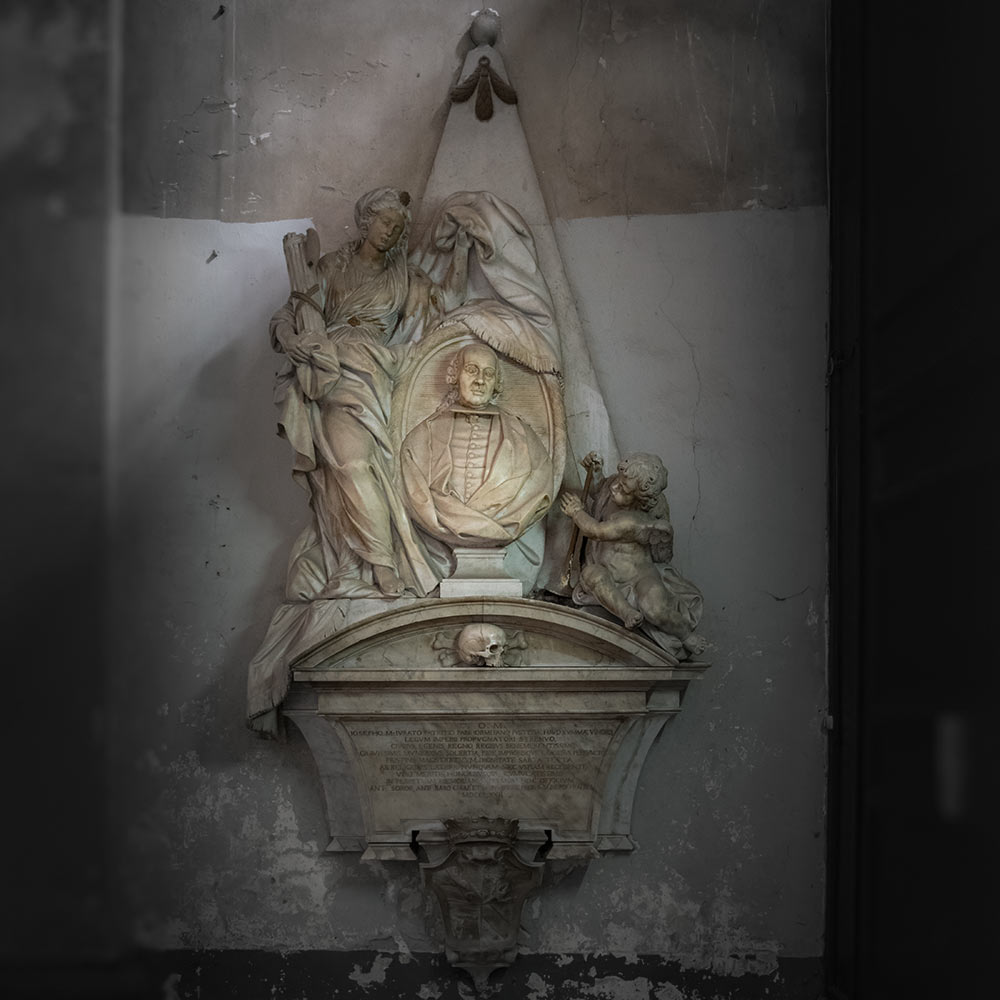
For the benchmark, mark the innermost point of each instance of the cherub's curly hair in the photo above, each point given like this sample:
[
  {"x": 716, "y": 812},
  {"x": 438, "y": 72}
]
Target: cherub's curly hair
[
  {"x": 650, "y": 476},
  {"x": 455, "y": 364}
]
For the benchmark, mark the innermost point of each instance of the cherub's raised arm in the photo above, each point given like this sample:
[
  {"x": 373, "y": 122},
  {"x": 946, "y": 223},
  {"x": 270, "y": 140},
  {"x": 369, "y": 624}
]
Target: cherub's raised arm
[{"x": 619, "y": 529}]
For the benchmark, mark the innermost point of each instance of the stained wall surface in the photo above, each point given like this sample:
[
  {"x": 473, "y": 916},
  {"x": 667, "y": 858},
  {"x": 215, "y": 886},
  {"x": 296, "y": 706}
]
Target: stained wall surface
[
  {"x": 273, "y": 111},
  {"x": 679, "y": 149}
]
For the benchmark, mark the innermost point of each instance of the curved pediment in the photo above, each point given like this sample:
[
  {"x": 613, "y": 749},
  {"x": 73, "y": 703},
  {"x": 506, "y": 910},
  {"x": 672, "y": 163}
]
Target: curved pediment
[{"x": 421, "y": 635}]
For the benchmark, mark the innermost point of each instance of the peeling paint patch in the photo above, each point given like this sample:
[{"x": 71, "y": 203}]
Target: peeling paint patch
[
  {"x": 213, "y": 105},
  {"x": 376, "y": 974},
  {"x": 296, "y": 977},
  {"x": 170, "y": 985},
  {"x": 668, "y": 992},
  {"x": 539, "y": 988},
  {"x": 616, "y": 988}
]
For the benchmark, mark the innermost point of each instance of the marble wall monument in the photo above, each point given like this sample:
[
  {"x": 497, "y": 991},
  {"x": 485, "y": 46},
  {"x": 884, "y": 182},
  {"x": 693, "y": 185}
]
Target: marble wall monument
[{"x": 478, "y": 648}]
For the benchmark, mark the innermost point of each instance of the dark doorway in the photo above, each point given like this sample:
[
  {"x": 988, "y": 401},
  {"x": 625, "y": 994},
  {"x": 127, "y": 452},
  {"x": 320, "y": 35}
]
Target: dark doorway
[{"x": 915, "y": 216}]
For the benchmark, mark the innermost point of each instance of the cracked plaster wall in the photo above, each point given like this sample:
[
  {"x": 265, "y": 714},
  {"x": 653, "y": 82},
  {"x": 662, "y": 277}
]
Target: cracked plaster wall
[
  {"x": 661, "y": 134},
  {"x": 276, "y": 111}
]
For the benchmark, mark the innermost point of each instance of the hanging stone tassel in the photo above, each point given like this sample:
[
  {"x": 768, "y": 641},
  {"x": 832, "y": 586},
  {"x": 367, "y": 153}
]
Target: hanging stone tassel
[{"x": 485, "y": 82}]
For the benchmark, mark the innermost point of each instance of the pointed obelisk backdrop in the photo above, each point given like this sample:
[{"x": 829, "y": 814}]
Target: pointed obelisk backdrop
[{"x": 493, "y": 155}]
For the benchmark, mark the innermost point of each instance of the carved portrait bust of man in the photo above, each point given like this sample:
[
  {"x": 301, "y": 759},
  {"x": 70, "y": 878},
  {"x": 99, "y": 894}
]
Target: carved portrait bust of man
[{"x": 475, "y": 474}]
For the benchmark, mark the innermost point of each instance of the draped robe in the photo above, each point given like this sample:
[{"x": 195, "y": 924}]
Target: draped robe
[
  {"x": 515, "y": 493},
  {"x": 335, "y": 414}
]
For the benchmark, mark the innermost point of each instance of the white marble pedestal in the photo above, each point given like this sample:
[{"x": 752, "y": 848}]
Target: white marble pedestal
[{"x": 480, "y": 573}]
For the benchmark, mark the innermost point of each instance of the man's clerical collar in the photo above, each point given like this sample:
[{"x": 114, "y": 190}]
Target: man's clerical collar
[{"x": 488, "y": 411}]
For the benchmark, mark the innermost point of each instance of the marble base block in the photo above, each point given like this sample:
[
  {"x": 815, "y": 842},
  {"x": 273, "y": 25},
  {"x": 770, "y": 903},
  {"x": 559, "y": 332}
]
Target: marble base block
[{"x": 480, "y": 573}]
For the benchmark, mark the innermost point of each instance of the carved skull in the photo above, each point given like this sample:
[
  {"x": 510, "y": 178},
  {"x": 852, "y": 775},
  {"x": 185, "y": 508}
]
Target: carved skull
[{"x": 481, "y": 645}]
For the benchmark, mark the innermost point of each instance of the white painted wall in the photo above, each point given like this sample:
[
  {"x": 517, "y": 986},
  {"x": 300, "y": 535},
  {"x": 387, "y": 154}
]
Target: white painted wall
[{"x": 708, "y": 335}]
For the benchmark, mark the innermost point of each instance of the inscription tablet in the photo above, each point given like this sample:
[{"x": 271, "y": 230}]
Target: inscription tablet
[{"x": 529, "y": 769}]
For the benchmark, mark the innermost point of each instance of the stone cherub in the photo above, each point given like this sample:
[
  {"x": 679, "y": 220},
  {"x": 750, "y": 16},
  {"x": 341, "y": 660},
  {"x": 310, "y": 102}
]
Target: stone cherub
[{"x": 626, "y": 562}]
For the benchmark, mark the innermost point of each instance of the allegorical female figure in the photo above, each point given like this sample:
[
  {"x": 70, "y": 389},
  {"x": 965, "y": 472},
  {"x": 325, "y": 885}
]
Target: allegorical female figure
[{"x": 334, "y": 401}]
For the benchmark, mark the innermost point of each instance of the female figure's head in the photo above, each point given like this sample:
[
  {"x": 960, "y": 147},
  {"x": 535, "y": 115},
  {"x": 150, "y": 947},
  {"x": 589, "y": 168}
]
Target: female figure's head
[{"x": 383, "y": 220}]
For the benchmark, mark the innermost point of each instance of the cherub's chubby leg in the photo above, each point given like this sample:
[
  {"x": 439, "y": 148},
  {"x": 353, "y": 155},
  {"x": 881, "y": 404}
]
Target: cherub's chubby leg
[
  {"x": 659, "y": 607},
  {"x": 602, "y": 585}
]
